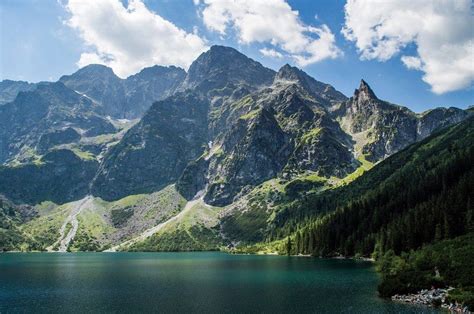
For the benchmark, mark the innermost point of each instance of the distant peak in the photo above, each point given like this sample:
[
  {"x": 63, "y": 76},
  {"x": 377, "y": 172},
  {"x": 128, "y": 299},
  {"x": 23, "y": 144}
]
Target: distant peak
[
  {"x": 159, "y": 70},
  {"x": 98, "y": 67},
  {"x": 288, "y": 72},
  {"x": 216, "y": 48},
  {"x": 364, "y": 92}
]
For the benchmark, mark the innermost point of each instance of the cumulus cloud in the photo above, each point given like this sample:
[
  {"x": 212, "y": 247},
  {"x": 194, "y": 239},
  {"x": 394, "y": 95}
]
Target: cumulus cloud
[
  {"x": 440, "y": 30},
  {"x": 411, "y": 62},
  {"x": 272, "y": 22},
  {"x": 272, "y": 53},
  {"x": 130, "y": 38}
]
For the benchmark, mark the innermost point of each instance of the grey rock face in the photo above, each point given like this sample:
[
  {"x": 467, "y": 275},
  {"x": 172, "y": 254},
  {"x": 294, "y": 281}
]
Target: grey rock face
[
  {"x": 150, "y": 85},
  {"x": 254, "y": 151},
  {"x": 48, "y": 108},
  {"x": 125, "y": 98},
  {"x": 437, "y": 118},
  {"x": 222, "y": 66},
  {"x": 57, "y": 137},
  {"x": 62, "y": 176},
  {"x": 153, "y": 153},
  {"x": 384, "y": 128},
  {"x": 323, "y": 93},
  {"x": 9, "y": 90}
]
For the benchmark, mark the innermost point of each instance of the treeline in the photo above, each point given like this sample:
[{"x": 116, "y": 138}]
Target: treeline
[
  {"x": 445, "y": 263},
  {"x": 429, "y": 198}
]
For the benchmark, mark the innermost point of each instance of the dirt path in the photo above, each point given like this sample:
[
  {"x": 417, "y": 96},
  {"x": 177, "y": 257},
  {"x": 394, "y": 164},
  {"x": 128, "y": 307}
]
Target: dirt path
[
  {"x": 149, "y": 232},
  {"x": 65, "y": 239}
]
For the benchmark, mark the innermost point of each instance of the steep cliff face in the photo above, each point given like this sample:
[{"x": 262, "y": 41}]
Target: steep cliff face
[
  {"x": 9, "y": 90},
  {"x": 381, "y": 129},
  {"x": 225, "y": 67},
  {"x": 153, "y": 153},
  {"x": 60, "y": 176},
  {"x": 253, "y": 151},
  {"x": 100, "y": 84},
  {"x": 280, "y": 130},
  {"x": 51, "y": 108},
  {"x": 125, "y": 98},
  {"x": 176, "y": 131},
  {"x": 323, "y": 93},
  {"x": 437, "y": 118},
  {"x": 150, "y": 85}
]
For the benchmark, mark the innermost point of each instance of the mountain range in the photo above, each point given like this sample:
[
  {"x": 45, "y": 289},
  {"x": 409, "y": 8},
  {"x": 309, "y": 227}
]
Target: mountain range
[{"x": 228, "y": 154}]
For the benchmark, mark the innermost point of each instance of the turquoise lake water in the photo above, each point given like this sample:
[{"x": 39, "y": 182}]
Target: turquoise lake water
[{"x": 188, "y": 283}]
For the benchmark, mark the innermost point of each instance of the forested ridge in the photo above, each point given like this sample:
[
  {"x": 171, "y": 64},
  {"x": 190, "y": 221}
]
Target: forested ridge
[
  {"x": 413, "y": 213},
  {"x": 419, "y": 195}
]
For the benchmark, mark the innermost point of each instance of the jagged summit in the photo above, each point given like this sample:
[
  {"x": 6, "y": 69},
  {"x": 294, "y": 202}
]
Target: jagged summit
[
  {"x": 288, "y": 73},
  {"x": 220, "y": 66},
  {"x": 91, "y": 70},
  {"x": 322, "y": 92},
  {"x": 364, "y": 92},
  {"x": 157, "y": 70}
]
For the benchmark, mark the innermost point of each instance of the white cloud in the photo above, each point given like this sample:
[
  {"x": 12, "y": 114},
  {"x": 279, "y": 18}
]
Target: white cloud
[
  {"x": 271, "y": 53},
  {"x": 130, "y": 38},
  {"x": 411, "y": 62},
  {"x": 441, "y": 31},
  {"x": 272, "y": 22}
]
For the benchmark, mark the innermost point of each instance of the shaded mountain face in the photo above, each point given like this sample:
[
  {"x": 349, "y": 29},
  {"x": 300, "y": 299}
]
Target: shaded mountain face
[
  {"x": 51, "y": 114},
  {"x": 222, "y": 67},
  {"x": 281, "y": 130},
  {"x": 251, "y": 125},
  {"x": 381, "y": 129},
  {"x": 177, "y": 130},
  {"x": 60, "y": 176},
  {"x": 221, "y": 129},
  {"x": 125, "y": 98},
  {"x": 154, "y": 152},
  {"x": 323, "y": 93},
  {"x": 9, "y": 90}
]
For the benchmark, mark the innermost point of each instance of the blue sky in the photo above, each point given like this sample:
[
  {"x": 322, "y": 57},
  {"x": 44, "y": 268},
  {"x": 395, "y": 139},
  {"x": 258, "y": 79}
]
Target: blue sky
[{"x": 38, "y": 42}]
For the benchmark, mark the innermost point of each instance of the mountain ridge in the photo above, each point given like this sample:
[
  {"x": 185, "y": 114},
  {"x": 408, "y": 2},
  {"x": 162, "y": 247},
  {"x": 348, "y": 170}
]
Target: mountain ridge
[{"x": 229, "y": 133}]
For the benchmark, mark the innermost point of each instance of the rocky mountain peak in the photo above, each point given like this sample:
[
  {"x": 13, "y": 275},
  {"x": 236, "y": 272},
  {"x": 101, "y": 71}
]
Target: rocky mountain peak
[
  {"x": 220, "y": 66},
  {"x": 323, "y": 93},
  {"x": 364, "y": 92},
  {"x": 289, "y": 73},
  {"x": 92, "y": 71},
  {"x": 157, "y": 71}
]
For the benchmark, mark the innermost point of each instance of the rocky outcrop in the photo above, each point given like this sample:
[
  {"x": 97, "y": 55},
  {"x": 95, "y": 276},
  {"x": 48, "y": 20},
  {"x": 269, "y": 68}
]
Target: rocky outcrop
[
  {"x": 61, "y": 176},
  {"x": 253, "y": 151},
  {"x": 57, "y": 137},
  {"x": 224, "y": 67},
  {"x": 438, "y": 118},
  {"x": 150, "y": 85},
  {"x": 48, "y": 108},
  {"x": 154, "y": 152},
  {"x": 323, "y": 93},
  {"x": 125, "y": 98},
  {"x": 9, "y": 90},
  {"x": 381, "y": 129}
]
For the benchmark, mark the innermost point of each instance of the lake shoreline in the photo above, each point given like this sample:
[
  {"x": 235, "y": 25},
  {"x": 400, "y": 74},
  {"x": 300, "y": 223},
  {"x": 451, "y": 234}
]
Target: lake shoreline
[{"x": 210, "y": 281}]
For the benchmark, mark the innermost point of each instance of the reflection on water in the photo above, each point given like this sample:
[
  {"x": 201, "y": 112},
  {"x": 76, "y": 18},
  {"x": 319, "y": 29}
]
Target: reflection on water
[{"x": 188, "y": 282}]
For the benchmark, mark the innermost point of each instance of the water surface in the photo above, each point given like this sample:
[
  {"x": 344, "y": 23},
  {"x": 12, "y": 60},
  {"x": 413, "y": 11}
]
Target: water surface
[{"x": 188, "y": 282}]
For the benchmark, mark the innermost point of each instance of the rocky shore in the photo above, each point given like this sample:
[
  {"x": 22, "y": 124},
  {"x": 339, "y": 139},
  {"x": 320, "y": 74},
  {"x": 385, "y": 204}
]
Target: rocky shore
[{"x": 432, "y": 297}]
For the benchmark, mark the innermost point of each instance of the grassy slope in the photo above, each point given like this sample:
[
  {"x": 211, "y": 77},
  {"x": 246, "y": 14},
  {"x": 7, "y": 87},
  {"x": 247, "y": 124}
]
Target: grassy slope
[
  {"x": 197, "y": 229},
  {"x": 99, "y": 227},
  {"x": 419, "y": 196}
]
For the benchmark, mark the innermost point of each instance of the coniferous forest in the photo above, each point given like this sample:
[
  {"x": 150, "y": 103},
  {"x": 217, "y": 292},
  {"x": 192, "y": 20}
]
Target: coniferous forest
[{"x": 416, "y": 220}]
